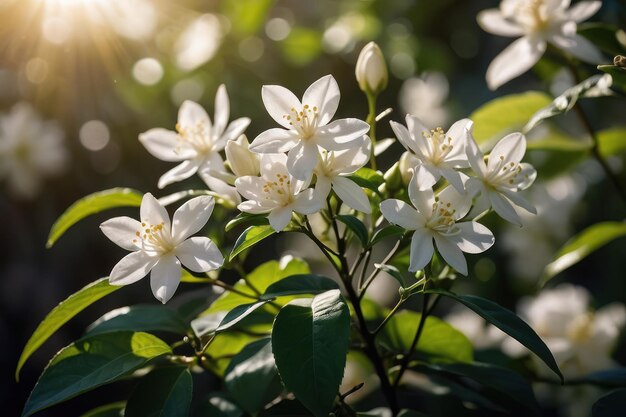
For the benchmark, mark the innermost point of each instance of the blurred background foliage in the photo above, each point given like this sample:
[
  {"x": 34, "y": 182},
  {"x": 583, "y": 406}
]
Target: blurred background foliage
[{"x": 108, "y": 70}]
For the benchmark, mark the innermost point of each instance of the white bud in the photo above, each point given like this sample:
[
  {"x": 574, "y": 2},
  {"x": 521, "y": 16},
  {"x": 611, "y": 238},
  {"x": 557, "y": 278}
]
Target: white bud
[
  {"x": 407, "y": 164},
  {"x": 371, "y": 69},
  {"x": 242, "y": 162}
]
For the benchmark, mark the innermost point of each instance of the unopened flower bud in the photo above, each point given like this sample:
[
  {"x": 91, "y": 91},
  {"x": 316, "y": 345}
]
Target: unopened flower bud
[
  {"x": 371, "y": 69},
  {"x": 393, "y": 178},
  {"x": 407, "y": 165},
  {"x": 620, "y": 61},
  {"x": 242, "y": 162}
]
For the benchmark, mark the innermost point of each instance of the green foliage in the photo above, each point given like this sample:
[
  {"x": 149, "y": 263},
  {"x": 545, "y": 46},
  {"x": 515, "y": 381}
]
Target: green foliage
[
  {"x": 603, "y": 35},
  {"x": 581, "y": 245},
  {"x": 246, "y": 218},
  {"x": 61, "y": 314},
  {"x": 356, "y": 226},
  {"x": 247, "y": 16},
  {"x": 145, "y": 318},
  {"x": 310, "y": 341},
  {"x": 615, "y": 377},
  {"x": 298, "y": 285},
  {"x": 163, "y": 392},
  {"x": 302, "y": 46},
  {"x": 508, "y": 322},
  {"x": 218, "y": 405},
  {"x": 612, "y": 141},
  {"x": 385, "y": 233},
  {"x": 92, "y": 204},
  {"x": 368, "y": 178},
  {"x": 250, "y": 237},
  {"x": 109, "y": 410},
  {"x": 91, "y": 362}
]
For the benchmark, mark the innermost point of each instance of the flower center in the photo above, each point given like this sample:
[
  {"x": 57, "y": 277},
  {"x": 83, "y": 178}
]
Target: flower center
[
  {"x": 154, "y": 238},
  {"x": 439, "y": 145},
  {"x": 199, "y": 136},
  {"x": 507, "y": 175},
  {"x": 303, "y": 121},
  {"x": 580, "y": 330},
  {"x": 279, "y": 191},
  {"x": 442, "y": 220},
  {"x": 532, "y": 14}
]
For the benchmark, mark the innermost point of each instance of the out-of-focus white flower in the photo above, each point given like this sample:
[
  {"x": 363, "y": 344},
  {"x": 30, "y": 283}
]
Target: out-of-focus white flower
[
  {"x": 371, "y": 69},
  {"x": 160, "y": 246},
  {"x": 498, "y": 181},
  {"x": 538, "y": 22},
  {"x": 437, "y": 218},
  {"x": 482, "y": 334},
  {"x": 334, "y": 166},
  {"x": 424, "y": 98},
  {"x": 198, "y": 43},
  {"x": 439, "y": 153},
  {"x": 242, "y": 162},
  {"x": 30, "y": 150},
  {"x": 306, "y": 125},
  {"x": 197, "y": 143},
  {"x": 276, "y": 192}
]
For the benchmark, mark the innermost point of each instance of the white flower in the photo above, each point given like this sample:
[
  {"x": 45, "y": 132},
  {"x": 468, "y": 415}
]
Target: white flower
[
  {"x": 498, "y": 181},
  {"x": 424, "y": 98},
  {"x": 197, "y": 143},
  {"x": 436, "y": 218},
  {"x": 276, "y": 192},
  {"x": 30, "y": 149},
  {"x": 160, "y": 246},
  {"x": 371, "y": 70},
  {"x": 306, "y": 125},
  {"x": 334, "y": 166},
  {"x": 439, "y": 153},
  {"x": 483, "y": 335},
  {"x": 242, "y": 162},
  {"x": 538, "y": 22}
]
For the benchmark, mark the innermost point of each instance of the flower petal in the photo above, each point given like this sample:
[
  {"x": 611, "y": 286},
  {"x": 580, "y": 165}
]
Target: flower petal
[
  {"x": 122, "y": 231},
  {"x": 422, "y": 199},
  {"x": 222, "y": 111},
  {"x": 250, "y": 187},
  {"x": 191, "y": 114},
  {"x": 421, "y": 249},
  {"x": 492, "y": 21},
  {"x": 583, "y": 10},
  {"x": 476, "y": 158},
  {"x": 474, "y": 237},
  {"x": 323, "y": 94},
  {"x": 451, "y": 253},
  {"x": 200, "y": 254},
  {"x": 515, "y": 60},
  {"x": 403, "y": 135},
  {"x": 236, "y": 128},
  {"x": 578, "y": 46},
  {"x": 402, "y": 214},
  {"x": 280, "y": 102},
  {"x": 132, "y": 267},
  {"x": 460, "y": 203},
  {"x": 502, "y": 206},
  {"x": 191, "y": 217},
  {"x": 350, "y": 160},
  {"x": 302, "y": 159},
  {"x": 179, "y": 172},
  {"x": 308, "y": 202},
  {"x": 165, "y": 277},
  {"x": 153, "y": 213},
  {"x": 340, "y": 134},
  {"x": 351, "y": 194},
  {"x": 166, "y": 145},
  {"x": 279, "y": 218},
  {"x": 520, "y": 201},
  {"x": 510, "y": 149},
  {"x": 529, "y": 175},
  {"x": 454, "y": 178},
  {"x": 222, "y": 188},
  {"x": 275, "y": 140},
  {"x": 426, "y": 176},
  {"x": 323, "y": 186},
  {"x": 417, "y": 129}
]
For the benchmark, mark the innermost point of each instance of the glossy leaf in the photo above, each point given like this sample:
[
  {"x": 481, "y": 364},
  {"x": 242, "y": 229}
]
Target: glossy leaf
[
  {"x": 62, "y": 313},
  {"x": 612, "y": 404},
  {"x": 218, "y": 405},
  {"x": 300, "y": 284},
  {"x": 90, "y": 363},
  {"x": 393, "y": 272},
  {"x": 250, "y": 237},
  {"x": 368, "y": 178},
  {"x": 143, "y": 318},
  {"x": 92, "y": 204},
  {"x": 237, "y": 314},
  {"x": 356, "y": 226},
  {"x": 385, "y": 233},
  {"x": 109, "y": 410},
  {"x": 310, "y": 341},
  {"x": 603, "y": 35},
  {"x": 615, "y": 377},
  {"x": 163, "y": 392},
  {"x": 508, "y": 322},
  {"x": 246, "y": 218}
]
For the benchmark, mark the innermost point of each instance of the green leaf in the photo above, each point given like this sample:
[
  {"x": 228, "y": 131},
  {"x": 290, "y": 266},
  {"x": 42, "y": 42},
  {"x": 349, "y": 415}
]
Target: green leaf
[
  {"x": 302, "y": 46},
  {"x": 224, "y": 347},
  {"x": 218, "y": 405},
  {"x": 602, "y": 35},
  {"x": 250, "y": 237},
  {"x": 61, "y": 314},
  {"x": 609, "y": 377},
  {"x": 91, "y": 362},
  {"x": 91, "y": 204},
  {"x": 385, "y": 233},
  {"x": 252, "y": 378},
  {"x": 246, "y": 218},
  {"x": 163, "y": 392},
  {"x": 411, "y": 413},
  {"x": 310, "y": 341},
  {"x": 393, "y": 272},
  {"x": 506, "y": 114},
  {"x": 298, "y": 285},
  {"x": 247, "y": 16},
  {"x": 612, "y": 141},
  {"x": 356, "y": 226},
  {"x": 581, "y": 245},
  {"x": 368, "y": 178},
  {"x": 610, "y": 405},
  {"x": 286, "y": 408},
  {"x": 109, "y": 410},
  {"x": 439, "y": 342},
  {"x": 508, "y": 322},
  {"x": 143, "y": 318},
  {"x": 617, "y": 73},
  {"x": 237, "y": 314}
]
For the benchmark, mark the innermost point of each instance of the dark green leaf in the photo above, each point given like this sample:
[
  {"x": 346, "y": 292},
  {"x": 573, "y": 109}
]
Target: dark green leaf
[
  {"x": 411, "y": 413},
  {"x": 508, "y": 322},
  {"x": 612, "y": 141},
  {"x": 90, "y": 363},
  {"x": 237, "y": 314},
  {"x": 246, "y": 218},
  {"x": 252, "y": 378},
  {"x": 393, "y": 272},
  {"x": 164, "y": 392},
  {"x": 602, "y": 35},
  {"x": 286, "y": 408},
  {"x": 310, "y": 341},
  {"x": 143, "y": 318},
  {"x": 91, "y": 204},
  {"x": 610, "y": 378},
  {"x": 62, "y": 313},
  {"x": 356, "y": 226},
  {"x": 218, "y": 405},
  {"x": 618, "y": 74},
  {"x": 109, "y": 410},
  {"x": 581, "y": 245},
  {"x": 250, "y": 237},
  {"x": 612, "y": 404},
  {"x": 386, "y": 232},
  {"x": 300, "y": 284},
  {"x": 368, "y": 178}
]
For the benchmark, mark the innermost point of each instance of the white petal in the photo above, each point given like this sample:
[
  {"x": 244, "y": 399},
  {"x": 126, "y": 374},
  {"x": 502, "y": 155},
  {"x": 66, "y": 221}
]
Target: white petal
[
  {"x": 421, "y": 249},
  {"x": 279, "y": 103},
  {"x": 253, "y": 207},
  {"x": 132, "y": 267},
  {"x": 404, "y": 136},
  {"x": 417, "y": 129},
  {"x": 492, "y": 21},
  {"x": 350, "y": 160},
  {"x": 423, "y": 200},
  {"x": 308, "y": 202},
  {"x": 460, "y": 133},
  {"x": 279, "y": 218},
  {"x": 191, "y": 115},
  {"x": 583, "y": 10},
  {"x": 580, "y": 47},
  {"x": 250, "y": 187},
  {"x": 323, "y": 186},
  {"x": 272, "y": 164},
  {"x": 426, "y": 176},
  {"x": 476, "y": 158},
  {"x": 302, "y": 159},
  {"x": 122, "y": 231},
  {"x": 451, "y": 253},
  {"x": 400, "y": 213},
  {"x": 153, "y": 213},
  {"x": 509, "y": 149},
  {"x": 529, "y": 173},
  {"x": 503, "y": 207},
  {"x": 222, "y": 110},
  {"x": 515, "y": 60},
  {"x": 236, "y": 128},
  {"x": 166, "y": 145},
  {"x": 274, "y": 140},
  {"x": 199, "y": 254},
  {"x": 191, "y": 217},
  {"x": 323, "y": 94},
  {"x": 224, "y": 190},
  {"x": 179, "y": 172},
  {"x": 461, "y": 203},
  {"x": 165, "y": 278},
  {"x": 474, "y": 237},
  {"x": 351, "y": 194},
  {"x": 454, "y": 178},
  {"x": 340, "y": 134},
  {"x": 520, "y": 201}
]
